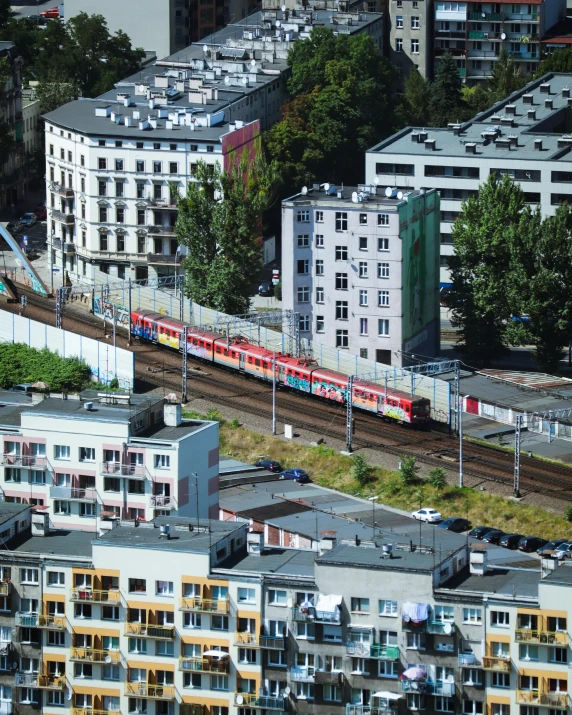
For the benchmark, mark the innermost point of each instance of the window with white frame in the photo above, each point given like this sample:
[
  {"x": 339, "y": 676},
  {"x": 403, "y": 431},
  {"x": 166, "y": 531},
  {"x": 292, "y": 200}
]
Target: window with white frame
[
  {"x": 277, "y": 658},
  {"x": 305, "y": 691},
  {"x": 383, "y": 270},
  {"x": 472, "y": 707},
  {"x": 62, "y": 451},
  {"x": 500, "y": 680},
  {"x": 500, "y": 619},
  {"x": 383, "y": 327},
  {"x": 303, "y": 294},
  {"x": 362, "y": 269},
  {"x": 341, "y": 221},
  {"x": 29, "y": 576},
  {"x": 342, "y": 339},
  {"x": 87, "y": 454},
  {"x": 319, "y": 217},
  {"x": 303, "y": 240},
  {"x": 383, "y": 298},
  {"x": 306, "y": 631},
  {"x": 383, "y": 219},
  {"x": 388, "y": 608},
  {"x": 304, "y": 323},
  {"x": 363, "y": 326},
  {"x": 319, "y": 295},
  {"x": 359, "y": 604},
  {"x": 303, "y": 216},
  {"x": 383, "y": 244},
  {"x": 472, "y": 615},
  {"x": 319, "y": 240},
  {"x": 473, "y": 676},
  {"x": 415, "y": 701},
  {"x": 528, "y": 652},
  {"x": 444, "y": 614},
  {"x": 164, "y": 588},
  {"x": 246, "y": 595},
  {"x": 162, "y": 461},
  {"x": 388, "y": 669},
  {"x": 363, "y": 298},
  {"x": 415, "y": 641},
  {"x": 444, "y": 705},
  {"x": 332, "y": 693}
]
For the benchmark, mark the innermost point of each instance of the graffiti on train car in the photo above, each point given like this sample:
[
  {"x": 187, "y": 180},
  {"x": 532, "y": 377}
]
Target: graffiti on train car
[
  {"x": 104, "y": 309},
  {"x": 298, "y": 383}
]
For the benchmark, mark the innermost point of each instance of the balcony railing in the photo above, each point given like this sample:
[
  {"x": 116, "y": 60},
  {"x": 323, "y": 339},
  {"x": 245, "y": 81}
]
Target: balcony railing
[
  {"x": 440, "y": 628},
  {"x": 145, "y": 690},
  {"x": 162, "y": 502},
  {"x": 259, "y": 701},
  {"x": 204, "y": 665},
  {"x": 486, "y": 16},
  {"x": 5, "y": 588},
  {"x": 205, "y": 605},
  {"x": 93, "y": 655},
  {"x": 28, "y": 461},
  {"x": 69, "y": 247},
  {"x": 246, "y": 639},
  {"x": 150, "y": 630},
  {"x": 64, "y": 191},
  {"x": 29, "y": 680},
  {"x": 163, "y": 230},
  {"x": 26, "y": 620},
  {"x": 94, "y": 596},
  {"x": 90, "y": 711},
  {"x": 302, "y": 614},
  {"x": 52, "y": 682},
  {"x": 384, "y": 652},
  {"x": 429, "y": 687},
  {"x": 466, "y": 659},
  {"x": 63, "y": 216},
  {"x": 73, "y": 494},
  {"x": 5, "y": 647},
  {"x": 116, "y": 469},
  {"x": 52, "y": 623},
  {"x": 527, "y": 635},
  {"x": 494, "y": 662},
  {"x": 556, "y": 700},
  {"x": 162, "y": 203},
  {"x": 272, "y": 642},
  {"x": 370, "y": 709},
  {"x": 301, "y": 674}
]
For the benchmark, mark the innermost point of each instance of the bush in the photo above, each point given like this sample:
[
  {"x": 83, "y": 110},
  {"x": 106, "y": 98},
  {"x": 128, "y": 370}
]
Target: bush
[
  {"x": 20, "y": 363},
  {"x": 214, "y": 415},
  {"x": 360, "y": 470},
  {"x": 235, "y": 424},
  {"x": 568, "y": 514},
  {"x": 408, "y": 470},
  {"x": 437, "y": 477}
]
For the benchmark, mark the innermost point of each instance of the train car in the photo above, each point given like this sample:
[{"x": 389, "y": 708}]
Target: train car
[
  {"x": 169, "y": 332},
  {"x": 366, "y": 396},
  {"x": 329, "y": 384},
  {"x": 143, "y": 324},
  {"x": 200, "y": 343},
  {"x": 295, "y": 373},
  {"x": 228, "y": 353},
  {"x": 401, "y": 406},
  {"x": 256, "y": 361}
]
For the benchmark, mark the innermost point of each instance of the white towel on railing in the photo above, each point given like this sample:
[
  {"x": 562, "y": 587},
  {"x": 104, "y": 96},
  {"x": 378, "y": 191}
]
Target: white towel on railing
[{"x": 414, "y": 611}]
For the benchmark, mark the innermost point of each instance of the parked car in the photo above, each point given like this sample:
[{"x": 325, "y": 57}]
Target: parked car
[
  {"x": 50, "y": 13},
  {"x": 551, "y": 545},
  {"x": 510, "y": 541},
  {"x": 530, "y": 543},
  {"x": 455, "y": 523},
  {"x": 37, "y": 19},
  {"x": 24, "y": 388},
  {"x": 40, "y": 212},
  {"x": 14, "y": 226},
  {"x": 28, "y": 219},
  {"x": 493, "y": 536},
  {"x": 270, "y": 464},
  {"x": 479, "y": 531},
  {"x": 266, "y": 289},
  {"x": 427, "y": 514},
  {"x": 298, "y": 474},
  {"x": 564, "y": 550}
]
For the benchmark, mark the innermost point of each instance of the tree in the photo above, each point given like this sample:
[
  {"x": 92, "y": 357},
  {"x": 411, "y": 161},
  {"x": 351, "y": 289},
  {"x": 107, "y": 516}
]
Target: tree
[
  {"x": 445, "y": 103},
  {"x": 568, "y": 513},
  {"x": 484, "y": 237},
  {"x": 360, "y": 470},
  {"x": 414, "y": 107},
  {"x": 5, "y": 12},
  {"x": 476, "y": 98},
  {"x": 408, "y": 470},
  {"x": 53, "y": 92},
  {"x": 219, "y": 221},
  {"x": 559, "y": 61},
  {"x": 437, "y": 478},
  {"x": 506, "y": 77}
]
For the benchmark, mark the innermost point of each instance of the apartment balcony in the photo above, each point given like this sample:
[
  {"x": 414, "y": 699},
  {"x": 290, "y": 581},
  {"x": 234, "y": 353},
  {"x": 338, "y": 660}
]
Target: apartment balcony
[
  {"x": 162, "y": 259},
  {"x": 52, "y": 623},
  {"x": 5, "y": 588},
  {"x": 249, "y": 640},
  {"x": 302, "y": 614},
  {"x": 527, "y": 635},
  {"x": 440, "y": 628},
  {"x": 5, "y": 647},
  {"x": 69, "y": 248},
  {"x": 310, "y": 613},
  {"x": 468, "y": 659},
  {"x": 60, "y": 190},
  {"x": 429, "y": 687},
  {"x": 499, "y": 663},
  {"x": 205, "y": 605},
  {"x": 265, "y": 702},
  {"x": 146, "y": 630},
  {"x": 116, "y": 469},
  {"x": 163, "y": 230},
  {"x": 94, "y": 596},
  {"x": 485, "y": 16},
  {"x": 27, "y": 461},
  {"x": 451, "y": 34},
  {"x": 167, "y": 204},
  {"x": 28, "y": 680},
  {"x": 301, "y": 674},
  {"x": 204, "y": 665},
  {"x": 6, "y": 707},
  {"x": 453, "y": 51},
  {"x": 272, "y": 642},
  {"x": 63, "y": 216},
  {"x": 90, "y": 711},
  {"x": 370, "y": 709},
  {"x": 384, "y": 652},
  {"x": 153, "y": 692},
  {"x": 52, "y": 682},
  {"x": 518, "y": 55},
  {"x": 74, "y": 494},
  {"x": 328, "y": 677},
  {"x": 92, "y": 655},
  {"x": 560, "y": 701},
  {"x": 522, "y": 17},
  {"x": 162, "y": 502}
]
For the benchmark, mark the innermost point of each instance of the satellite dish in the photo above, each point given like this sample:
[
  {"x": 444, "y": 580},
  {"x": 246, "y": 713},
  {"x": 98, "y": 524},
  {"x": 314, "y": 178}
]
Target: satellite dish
[
  {"x": 400, "y": 196},
  {"x": 283, "y": 8},
  {"x": 108, "y": 659},
  {"x": 503, "y": 36},
  {"x": 451, "y": 677},
  {"x": 389, "y": 191},
  {"x": 376, "y": 180},
  {"x": 227, "y": 80},
  {"x": 483, "y": 15},
  {"x": 252, "y": 63},
  {"x": 447, "y": 628},
  {"x": 245, "y": 80},
  {"x": 326, "y": 187},
  {"x": 304, "y": 190},
  {"x": 354, "y": 197},
  {"x": 69, "y": 694},
  {"x": 239, "y": 699},
  {"x": 205, "y": 49},
  {"x": 287, "y": 691}
]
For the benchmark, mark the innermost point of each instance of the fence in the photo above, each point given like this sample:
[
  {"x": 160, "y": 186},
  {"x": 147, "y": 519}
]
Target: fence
[
  {"x": 169, "y": 303},
  {"x": 105, "y": 361}
]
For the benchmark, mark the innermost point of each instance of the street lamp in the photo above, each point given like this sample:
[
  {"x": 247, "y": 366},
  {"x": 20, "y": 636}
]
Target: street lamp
[
  {"x": 373, "y": 500},
  {"x": 52, "y": 259}
]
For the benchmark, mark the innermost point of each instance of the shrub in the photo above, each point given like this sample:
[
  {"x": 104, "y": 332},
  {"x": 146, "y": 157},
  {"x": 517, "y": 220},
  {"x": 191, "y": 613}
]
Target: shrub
[
  {"x": 214, "y": 415},
  {"x": 360, "y": 470},
  {"x": 235, "y": 424},
  {"x": 568, "y": 514},
  {"x": 437, "y": 477},
  {"x": 20, "y": 363},
  {"x": 408, "y": 470}
]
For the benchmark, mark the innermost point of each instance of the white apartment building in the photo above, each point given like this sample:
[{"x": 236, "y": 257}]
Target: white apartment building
[
  {"x": 111, "y": 162},
  {"x": 103, "y": 457},
  {"x": 526, "y": 136},
  {"x": 361, "y": 269}
]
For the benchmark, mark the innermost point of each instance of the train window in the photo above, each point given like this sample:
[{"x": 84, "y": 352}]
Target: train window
[
  {"x": 406, "y": 408},
  {"x": 257, "y": 363},
  {"x": 250, "y": 360},
  {"x": 265, "y": 365}
]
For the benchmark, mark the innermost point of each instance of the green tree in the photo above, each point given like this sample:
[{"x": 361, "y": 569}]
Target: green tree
[
  {"x": 476, "y": 98},
  {"x": 414, "y": 108},
  {"x": 53, "y": 92},
  {"x": 20, "y": 363},
  {"x": 408, "y": 470},
  {"x": 484, "y": 237},
  {"x": 568, "y": 513},
  {"x": 5, "y": 12},
  {"x": 506, "y": 77},
  {"x": 360, "y": 470},
  {"x": 446, "y": 103},
  {"x": 559, "y": 61},
  {"x": 437, "y": 478},
  {"x": 219, "y": 221}
]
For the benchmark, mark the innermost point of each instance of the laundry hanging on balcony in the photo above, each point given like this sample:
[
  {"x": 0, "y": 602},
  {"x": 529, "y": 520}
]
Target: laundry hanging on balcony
[{"x": 415, "y": 613}]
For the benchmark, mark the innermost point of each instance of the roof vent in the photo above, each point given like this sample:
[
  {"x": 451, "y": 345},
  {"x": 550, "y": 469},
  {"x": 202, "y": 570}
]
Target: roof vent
[
  {"x": 386, "y": 550},
  {"x": 507, "y": 121},
  {"x": 422, "y": 136},
  {"x": 88, "y": 406},
  {"x": 165, "y": 531},
  {"x": 513, "y": 139},
  {"x": 528, "y": 99},
  {"x": 565, "y": 91},
  {"x": 510, "y": 109},
  {"x": 531, "y": 113},
  {"x": 470, "y": 148},
  {"x": 503, "y": 143},
  {"x": 538, "y": 145},
  {"x": 548, "y": 104},
  {"x": 430, "y": 144},
  {"x": 478, "y": 559},
  {"x": 415, "y": 137},
  {"x": 545, "y": 88},
  {"x": 255, "y": 543}
]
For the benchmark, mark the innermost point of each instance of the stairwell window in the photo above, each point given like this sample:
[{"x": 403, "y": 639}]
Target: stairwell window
[
  {"x": 61, "y": 451},
  {"x": 162, "y": 461}
]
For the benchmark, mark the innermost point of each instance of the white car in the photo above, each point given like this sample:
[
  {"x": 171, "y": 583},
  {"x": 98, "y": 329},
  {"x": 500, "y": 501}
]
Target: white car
[{"x": 431, "y": 516}]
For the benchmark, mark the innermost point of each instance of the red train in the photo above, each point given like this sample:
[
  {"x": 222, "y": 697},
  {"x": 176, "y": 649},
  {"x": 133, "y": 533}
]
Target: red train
[{"x": 295, "y": 373}]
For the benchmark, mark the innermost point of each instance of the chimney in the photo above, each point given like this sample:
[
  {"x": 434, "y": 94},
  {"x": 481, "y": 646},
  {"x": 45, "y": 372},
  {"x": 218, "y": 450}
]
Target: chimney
[
  {"x": 478, "y": 559},
  {"x": 387, "y": 550},
  {"x": 255, "y": 543},
  {"x": 327, "y": 543},
  {"x": 510, "y": 109},
  {"x": 545, "y": 88},
  {"x": 165, "y": 531},
  {"x": 538, "y": 145},
  {"x": 40, "y": 523},
  {"x": 528, "y": 99},
  {"x": 548, "y": 104},
  {"x": 532, "y": 113},
  {"x": 172, "y": 414},
  {"x": 470, "y": 148},
  {"x": 430, "y": 144}
]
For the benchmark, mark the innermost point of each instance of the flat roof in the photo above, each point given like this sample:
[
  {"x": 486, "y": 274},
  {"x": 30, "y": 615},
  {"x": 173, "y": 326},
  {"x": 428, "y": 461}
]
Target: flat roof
[
  {"x": 8, "y": 510},
  {"x": 59, "y": 542},
  {"x": 556, "y": 146},
  {"x": 503, "y": 582},
  {"x": 561, "y": 576},
  {"x": 366, "y": 197},
  {"x": 276, "y": 561}
]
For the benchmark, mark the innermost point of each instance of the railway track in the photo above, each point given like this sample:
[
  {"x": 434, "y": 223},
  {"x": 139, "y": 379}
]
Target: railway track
[{"x": 160, "y": 367}]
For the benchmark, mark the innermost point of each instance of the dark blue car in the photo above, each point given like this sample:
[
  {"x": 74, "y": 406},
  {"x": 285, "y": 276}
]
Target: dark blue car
[{"x": 298, "y": 474}]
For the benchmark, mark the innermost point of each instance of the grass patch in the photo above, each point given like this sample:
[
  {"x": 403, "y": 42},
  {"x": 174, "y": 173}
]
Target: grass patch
[{"x": 330, "y": 469}]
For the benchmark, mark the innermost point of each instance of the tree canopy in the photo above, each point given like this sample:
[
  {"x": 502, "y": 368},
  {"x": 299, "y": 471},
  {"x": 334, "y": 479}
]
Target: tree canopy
[
  {"x": 558, "y": 61},
  {"x": 446, "y": 101},
  {"x": 220, "y": 222},
  {"x": 20, "y": 364}
]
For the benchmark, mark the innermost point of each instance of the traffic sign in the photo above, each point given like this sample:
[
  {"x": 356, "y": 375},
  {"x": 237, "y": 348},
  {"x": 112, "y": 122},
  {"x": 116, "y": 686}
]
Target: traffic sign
[{"x": 25, "y": 239}]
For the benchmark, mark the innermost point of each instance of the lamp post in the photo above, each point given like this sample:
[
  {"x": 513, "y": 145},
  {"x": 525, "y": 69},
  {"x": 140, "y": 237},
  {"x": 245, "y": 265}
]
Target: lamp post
[
  {"x": 52, "y": 259},
  {"x": 373, "y": 500}
]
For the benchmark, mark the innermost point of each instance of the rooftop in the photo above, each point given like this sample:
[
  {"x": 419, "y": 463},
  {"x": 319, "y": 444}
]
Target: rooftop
[
  {"x": 9, "y": 510},
  {"x": 56, "y": 542},
  {"x": 502, "y": 582},
  {"x": 531, "y": 125},
  {"x": 276, "y": 561},
  {"x": 369, "y": 197},
  {"x": 561, "y": 576}
]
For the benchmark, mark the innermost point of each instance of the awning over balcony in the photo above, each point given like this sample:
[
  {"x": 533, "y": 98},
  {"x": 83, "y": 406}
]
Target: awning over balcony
[
  {"x": 386, "y": 695},
  {"x": 415, "y": 612}
]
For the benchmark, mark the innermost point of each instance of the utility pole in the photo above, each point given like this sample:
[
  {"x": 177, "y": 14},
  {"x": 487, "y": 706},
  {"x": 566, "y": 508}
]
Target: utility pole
[
  {"x": 59, "y": 307},
  {"x": 129, "y": 340},
  {"x": 457, "y": 390},
  {"x": 460, "y": 424},
  {"x": 114, "y": 309},
  {"x": 185, "y": 366},
  {"x": 349, "y": 416},
  {"x": 273, "y": 391},
  {"x": 516, "y": 492}
]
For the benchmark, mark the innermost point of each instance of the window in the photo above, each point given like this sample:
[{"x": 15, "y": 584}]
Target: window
[
  {"x": 164, "y": 588},
  {"x": 305, "y": 691},
  {"x": 173, "y": 167},
  {"x": 277, "y": 598},
  {"x": 383, "y": 244},
  {"x": 303, "y": 266},
  {"x": 528, "y": 652},
  {"x": 246, "y": 595},
  {"x": 303, "y": 240},
  {"x": 342, "y": 339},
  {"x": 414, "y": 22},
  {"x": 192, "y": 620},
  {"x": 332, "y": 693},
  {"x": 474, "y": 676},
  {"x": 319, "y": 217},
  {"x": 320, "y": 323},
  {"x": 12, "y": 474},
  {"x": 499, "y": 650},
  {"x": 219, "y": 623},
  {"x": 192, "y": 680},
  {"x": 56, "y": 699},
  {"x": 383, "y": 298},
  {"x": 120, "y": 215},
  {"x": 388, "y": 608},
  {"x": 472, "y": 615},
  {"x": 383, "y": 326},
  {"x": 363, "y": 298},
  {"x": 341, "y": 221},
  {"x": 415, "y": 701},
  {"x": 341, "y": 310},
  {"x": 303, "y": 216},
  {"x": 110, "y": 613},
  {"x": 500, "y": 619},
  {"x": 82, "y": 610},
  {"x": 139, "y": 166},
  {"x": 363, "y": 243},
  {"x": 103, "y": 216},
  {"x": 363, "y": 326},
  {"x": 319, "y": 240},
  {"x": 102, "y": 187},
  {"x": 399, "y": 45},
  {"x": 29, "y": 576},
  {"x": 219, "y": 682},
  {"x": 362, "y": 268},
  {"x": 444, "y": 705},
  {"x": 157, "y": 167},
  {"x": 341, "y": 253},
  {"x": 162, "y": 461},
  {"x": 137, "y": 645},
  {"x": 500, "y": 680},
  {"x": 83, "y": 670},
  {"x": 119, "y": 165},
  {"x": 341, "y": 281},
  {"x": 86, "y": 454},
  {"x": 29, "y": 696},
  {"x": 558, "y": 655},
  {"x": 304, "y": 323},
  {"x": 277, "y": 658},
  {"x": 360, "y": 605},
  {"x": 399, "y": 22},
  {"x": 388, "y": 669},
  {"x": 56, "y": 578},
  {"x": 102, "y": 164},
  {"x": 319, "y": 295},
  {"x": 383, "y": 270},
  {"x": 363, "y": 219},
  {"x": 319, "y": 267},
  {"x": 247, "y": 655},
  {"x": 61, "y": 452}
]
